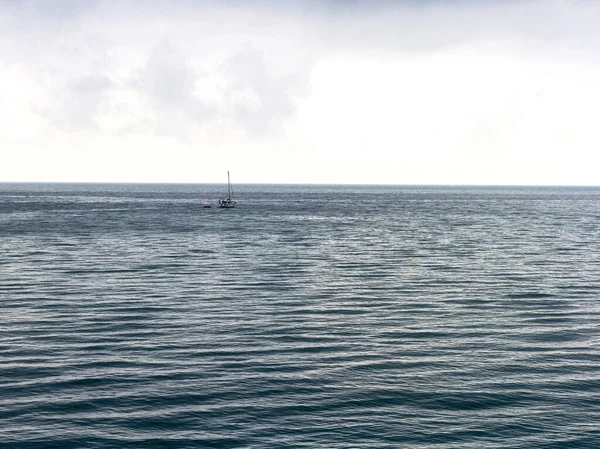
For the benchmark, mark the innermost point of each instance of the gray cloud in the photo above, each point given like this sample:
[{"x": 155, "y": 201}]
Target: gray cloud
[
  {"x": 168, "y": 80},
  {"x": 255, "y": 57},
  {"x": 75, "y": 102},
  {"x": 269, "y": 95},
  {"x": 248, "y": 92},
  {"x": 83, "y": 97}
]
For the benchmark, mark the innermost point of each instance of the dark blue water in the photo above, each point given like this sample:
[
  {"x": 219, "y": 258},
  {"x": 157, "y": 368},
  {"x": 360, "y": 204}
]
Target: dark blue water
[{"x": 309, "y": 316}]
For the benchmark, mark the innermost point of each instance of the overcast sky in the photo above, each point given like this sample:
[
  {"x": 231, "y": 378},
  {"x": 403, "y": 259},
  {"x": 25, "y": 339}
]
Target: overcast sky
[{"x": 378, "y": 92}]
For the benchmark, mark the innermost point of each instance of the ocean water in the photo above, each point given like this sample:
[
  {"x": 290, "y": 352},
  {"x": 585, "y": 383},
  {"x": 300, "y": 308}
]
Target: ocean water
[{"x": 308, "y": 316}]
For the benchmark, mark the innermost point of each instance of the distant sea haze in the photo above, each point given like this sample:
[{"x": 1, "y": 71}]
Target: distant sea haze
[{"x": 307, "y": 316}]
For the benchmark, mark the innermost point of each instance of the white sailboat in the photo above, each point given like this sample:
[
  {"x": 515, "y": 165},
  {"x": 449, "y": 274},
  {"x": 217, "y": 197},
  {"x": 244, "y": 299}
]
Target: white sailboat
[{"x": 229, "y": 202}]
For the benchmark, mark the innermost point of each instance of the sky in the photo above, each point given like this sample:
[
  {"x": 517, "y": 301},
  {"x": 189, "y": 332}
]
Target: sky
[{"x": 336, "y": 92}]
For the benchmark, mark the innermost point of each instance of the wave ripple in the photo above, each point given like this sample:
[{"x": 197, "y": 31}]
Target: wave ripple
[{"x": 314, "y": 316}]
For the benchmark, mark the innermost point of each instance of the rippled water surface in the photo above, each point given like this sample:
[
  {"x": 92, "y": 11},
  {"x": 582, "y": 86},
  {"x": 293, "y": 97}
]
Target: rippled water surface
[{"x": 308, "y": 316}]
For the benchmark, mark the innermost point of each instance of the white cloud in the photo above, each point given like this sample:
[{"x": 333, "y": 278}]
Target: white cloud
[{"x": 376, "y": 92}]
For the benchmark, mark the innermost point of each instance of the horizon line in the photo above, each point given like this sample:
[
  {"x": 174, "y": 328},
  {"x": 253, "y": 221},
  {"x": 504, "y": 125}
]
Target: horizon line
[{"x": 297, "y": 184}]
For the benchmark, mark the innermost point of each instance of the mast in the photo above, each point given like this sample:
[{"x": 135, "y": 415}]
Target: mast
[{"x": 228, "y": 185}]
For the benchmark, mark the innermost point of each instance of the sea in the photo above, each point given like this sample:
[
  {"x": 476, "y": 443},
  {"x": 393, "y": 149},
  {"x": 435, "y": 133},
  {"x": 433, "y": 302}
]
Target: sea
[{"x": 309, "y": 316}]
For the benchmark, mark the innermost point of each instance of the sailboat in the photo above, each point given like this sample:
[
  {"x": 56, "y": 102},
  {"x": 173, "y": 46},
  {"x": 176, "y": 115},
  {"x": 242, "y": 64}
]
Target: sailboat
[{"x": 229, "y": 202}]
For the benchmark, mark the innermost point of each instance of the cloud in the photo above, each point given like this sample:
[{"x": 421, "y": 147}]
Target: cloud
[
  {"x": 168, "y": 82},
  {"x": 259, "y": 96},
  {"x": 77, "y": 102},
  {"x": 384, "y": 84},
  {"x": 175, "y": 68}
]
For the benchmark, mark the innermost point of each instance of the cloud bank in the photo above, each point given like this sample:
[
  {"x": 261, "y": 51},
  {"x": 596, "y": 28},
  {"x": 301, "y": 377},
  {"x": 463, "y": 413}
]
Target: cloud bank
[{"x": 379, "y": 92}]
